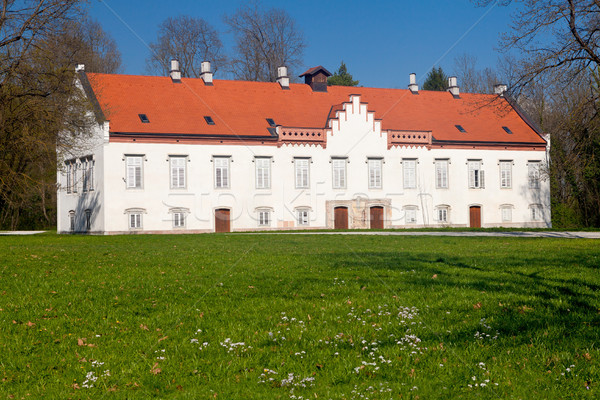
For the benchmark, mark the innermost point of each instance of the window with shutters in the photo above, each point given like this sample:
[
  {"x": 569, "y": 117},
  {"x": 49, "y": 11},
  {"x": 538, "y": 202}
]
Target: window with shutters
[
  {"x": 506, "y": 174},
  {"x": 506, "y": 212},
  {"x": 339, "y": 172},
  {"x": 134, "y": 171},
  {"x": 221, "y": 172},
  {"x": 441, "y": 174},
  {"x": 410, "y": 214},
  {"x": 442, "y": 213},
  {"x": 264, "y": 217},
  {"x": 476, "y": 174},
  {"x": 375, "y": 167},
  {"x": 263, "y": 172},
  {"x": 178, "y": 171},
  {"x": 302, "y": 216},
  {"x": 302, "y": 172},
  {"x": 533, "y": 168},
  {"x": 409, "y": 167}
]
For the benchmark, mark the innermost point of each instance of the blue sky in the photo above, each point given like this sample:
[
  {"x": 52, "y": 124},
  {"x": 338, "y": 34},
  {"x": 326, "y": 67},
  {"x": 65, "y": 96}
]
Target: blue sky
[{"x": 381, "y": 41}]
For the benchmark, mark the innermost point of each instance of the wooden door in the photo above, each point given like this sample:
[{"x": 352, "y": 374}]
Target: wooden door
[
  {"x": 341, "y": 217},
  {"x": 376, "y": 217},
  {"x": 475, "y": 217},
  {"x": 222, "y": 223}
]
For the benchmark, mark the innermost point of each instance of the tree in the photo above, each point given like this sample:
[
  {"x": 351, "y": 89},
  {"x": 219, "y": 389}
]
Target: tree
[
  {"x": 41, "y": 110},
  {"x": 265, "y": 40},
  {"x": 341, "y": 78},
  {"x": 472, "y": 79},
  {"x": 191, "y": 41},
  {"x": 436, "y": 80}
]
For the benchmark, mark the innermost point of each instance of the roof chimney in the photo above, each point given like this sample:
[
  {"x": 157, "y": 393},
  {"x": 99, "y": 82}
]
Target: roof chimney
[
  {"x": 453, "y": 87},
  {"x": 282, "y": 78},
  {"x": 500, "y": 89},
  {"x": 80, "y": 68},
  {"x": 414, "y": 88},
  {"x": 206, "y": 74},
  {"x": 174, "y": 72},
  {"x": 317, "y": 78}
]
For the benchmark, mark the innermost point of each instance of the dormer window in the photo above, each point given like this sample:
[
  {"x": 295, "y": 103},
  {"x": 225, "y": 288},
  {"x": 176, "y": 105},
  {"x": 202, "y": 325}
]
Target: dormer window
[
  {"x": 144, "y": 118},
  {"x": 209, "y": 120},
  {"x": 507, "y": 130},
  {"x": 271, "y": 122},
  {"x": 460, "y": 128}
]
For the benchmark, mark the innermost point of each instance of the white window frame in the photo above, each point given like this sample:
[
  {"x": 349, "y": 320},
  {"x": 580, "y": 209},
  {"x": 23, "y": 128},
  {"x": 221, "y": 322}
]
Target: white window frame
[
  {"x": 178, "y": 172},
  {"x": 135, "y": 219},
  {"x": 263, "y": 217},
  {"x": 179, "y": 218},
  {"x": 375, "y": 173},
  {"x": 70, "y": 167},
  {"x": 88, "y": 219},
  {"x": 339, "y": 172},
  {"x": 410, "y": 214},
  {"x": 506, "y": 212},
  {"x": 302, "y": 172},
  {"x": 533, "y": 174},
  {"x": 221, "y": 172},
  {"x": 505, "y": 167},
  {"x": 409, "y": 173},
  {"x": 262, "y": 172},
  {"x": 441, "y": 173},
  {"x": 537, "y": 212},
  {"x": 476, "y": 174},
  {"x": 442, "y": 214},
  {"x": 303, "y": 216},
  {"x": 72, "y": 221},
  {"x": 134, "y": 171}
]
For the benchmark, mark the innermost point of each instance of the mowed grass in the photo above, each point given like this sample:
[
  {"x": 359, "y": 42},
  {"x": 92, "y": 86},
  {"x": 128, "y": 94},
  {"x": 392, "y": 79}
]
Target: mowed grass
[{"x": 303, "y": 317}]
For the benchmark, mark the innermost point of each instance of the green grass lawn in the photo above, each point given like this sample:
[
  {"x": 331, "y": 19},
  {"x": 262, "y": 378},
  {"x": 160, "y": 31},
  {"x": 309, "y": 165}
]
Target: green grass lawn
[{"x": 301, "y": 317}]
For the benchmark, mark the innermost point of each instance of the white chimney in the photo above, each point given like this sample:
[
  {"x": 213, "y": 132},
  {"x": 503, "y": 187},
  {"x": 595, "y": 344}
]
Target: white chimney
[
  {"x": 282, "y": 78},
  {"x": 174, "y": 71},
  {"x": 453, "y": 86},
  {"x": 413, "y": 83},
  {"x": 500, "y": 89},
  {"x": 205, "y": 73},
  {"x": 80, "y": 68}
]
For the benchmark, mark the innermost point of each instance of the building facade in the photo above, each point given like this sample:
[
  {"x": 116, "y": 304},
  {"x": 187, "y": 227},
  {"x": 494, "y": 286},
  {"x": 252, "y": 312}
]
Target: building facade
[{"x": 170, "y": 154}]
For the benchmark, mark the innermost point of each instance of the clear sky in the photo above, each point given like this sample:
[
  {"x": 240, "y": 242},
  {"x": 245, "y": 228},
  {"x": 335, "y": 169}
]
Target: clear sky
[{"x": 381, "y": 41}]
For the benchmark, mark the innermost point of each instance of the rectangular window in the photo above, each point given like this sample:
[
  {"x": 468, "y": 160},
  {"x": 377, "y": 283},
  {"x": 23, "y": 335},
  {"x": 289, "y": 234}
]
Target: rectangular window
[
  {"x": 221, "y": 172},
  {"x": 302, "y": 165},
  {"x": 263, "y": 172},
  {"x": 410, "y": 215},
  {"x": 72, "y": 221},
  {"x": 536, "y": 212},
  {"x": 69, "y": 166},
  {"x": 177, "y": 164},
  {"x": 178, "y": 219},
  {"x": 476, "y": 175},
  {"x": 441, "y": 174},
  {"x": 302, "y": 217},
  {"x": 134, "y": 172},
  {"x": 534, "y": 174},
  {"x": 410, "y": 173},
  {"x": 135, "y": 220},
  {"x": 264, "y": 218},
  {"x": 505, "y": 174},
  {"x": 88, "y": 220},
  {"x": 339, "y": 173},
  {"x": 375, "y": 173},
  {"x": 442, "y": 214},
  {"x": 506, "y": 213}
]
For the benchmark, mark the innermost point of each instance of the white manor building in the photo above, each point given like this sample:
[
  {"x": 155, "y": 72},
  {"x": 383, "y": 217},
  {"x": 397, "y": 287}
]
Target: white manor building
[{"x": 172, "y": 154}]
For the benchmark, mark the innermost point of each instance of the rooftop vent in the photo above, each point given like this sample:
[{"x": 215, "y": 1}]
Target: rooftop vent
[
  {"x": 507, "y": 130},
  {"x": 144, "y": 118},
  {"x": 412, "y": 85},
  {"x": 209, "y": 120},
  {"x": 317, "y": 78},
  {"x": 282, "y": 78},
  {"x": 174, "y": 71},
  {"x": 460, "y": 128},
  {"x": 453, "y": 87},
  {"x": 206, "y": 74}
]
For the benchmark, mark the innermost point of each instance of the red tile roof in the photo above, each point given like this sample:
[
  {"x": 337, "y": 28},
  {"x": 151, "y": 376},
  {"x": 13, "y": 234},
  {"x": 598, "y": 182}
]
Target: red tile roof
[
  {"x": 314, "y": 70},
  {"x": 240, "y": 108}
]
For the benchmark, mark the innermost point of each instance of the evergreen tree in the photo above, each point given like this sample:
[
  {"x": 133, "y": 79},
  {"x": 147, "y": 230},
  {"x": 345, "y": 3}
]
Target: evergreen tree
[
  {"x": 436, "y": 80},
  {"x": 341, "y": 78}
]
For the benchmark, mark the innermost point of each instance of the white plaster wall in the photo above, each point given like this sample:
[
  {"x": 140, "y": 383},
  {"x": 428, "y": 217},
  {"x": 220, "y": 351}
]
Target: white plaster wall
[{"x": 356, "y": 136}]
